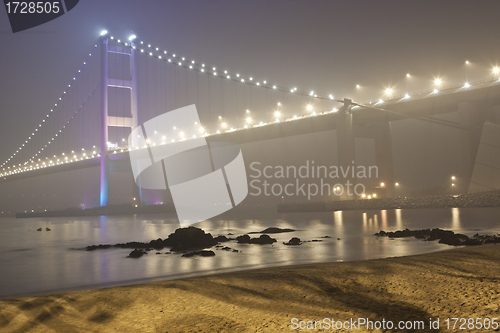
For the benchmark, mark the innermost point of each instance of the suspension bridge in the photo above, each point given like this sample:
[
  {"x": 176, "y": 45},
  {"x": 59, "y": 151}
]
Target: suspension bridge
[{"x": 123, "y": 83}]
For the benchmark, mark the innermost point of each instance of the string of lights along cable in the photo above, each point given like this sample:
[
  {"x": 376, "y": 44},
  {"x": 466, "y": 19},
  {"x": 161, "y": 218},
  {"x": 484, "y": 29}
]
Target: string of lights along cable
[{"x": 219, "y": 93}]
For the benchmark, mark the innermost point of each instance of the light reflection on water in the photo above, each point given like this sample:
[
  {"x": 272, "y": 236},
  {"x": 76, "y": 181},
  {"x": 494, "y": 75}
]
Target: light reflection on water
[{"x": 36, "y": 262}]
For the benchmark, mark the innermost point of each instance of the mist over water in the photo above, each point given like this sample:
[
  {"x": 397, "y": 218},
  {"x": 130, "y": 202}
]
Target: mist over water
[{"x": 37, "y": 262}]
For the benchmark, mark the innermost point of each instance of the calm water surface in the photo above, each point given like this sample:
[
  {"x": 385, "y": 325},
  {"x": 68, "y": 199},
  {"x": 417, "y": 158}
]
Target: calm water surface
[{"x": 33, "y": 262}]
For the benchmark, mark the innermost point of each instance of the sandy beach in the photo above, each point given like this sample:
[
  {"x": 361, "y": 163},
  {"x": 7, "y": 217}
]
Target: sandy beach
[{"x": 457, "y": 283}]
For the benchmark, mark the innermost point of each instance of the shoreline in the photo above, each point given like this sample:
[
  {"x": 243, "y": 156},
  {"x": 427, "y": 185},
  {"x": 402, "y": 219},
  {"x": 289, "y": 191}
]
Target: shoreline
[
  {"x": 458, "y": 282},
  {"x": 473, "y": 200}
]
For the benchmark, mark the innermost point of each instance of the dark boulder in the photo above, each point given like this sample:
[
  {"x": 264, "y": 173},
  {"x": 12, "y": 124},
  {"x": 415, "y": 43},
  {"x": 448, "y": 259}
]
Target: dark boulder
[
  {"x": 97, "y": 247},
  {"x": 263, "y": 239},
  {"x": 137, "y": 253},
  {"x": 203, "y": 253},
  {"x": 157, "y": 244},
  {"x": 222, "y": 239},
  {"x": 293, "y": 241},
  {"x": 272, "y": 230},
  {"x": 245, "y": 239},
  {"x": 189, "y": 238}
]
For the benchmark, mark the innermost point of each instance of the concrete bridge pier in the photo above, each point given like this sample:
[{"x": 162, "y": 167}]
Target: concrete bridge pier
[
  {"x": 380, "y": 131},
  {"x": 383, "y": 155},
  {"x": 472, "y": 117},
  {"x": 345, "y": 143}
]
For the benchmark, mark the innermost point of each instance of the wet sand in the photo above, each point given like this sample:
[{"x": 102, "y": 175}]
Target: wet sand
[{"x": 461, "y": 282}]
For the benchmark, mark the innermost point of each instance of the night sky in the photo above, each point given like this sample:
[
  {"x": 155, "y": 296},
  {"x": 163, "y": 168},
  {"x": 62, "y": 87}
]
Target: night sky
[{"x": 325, "y": 46}]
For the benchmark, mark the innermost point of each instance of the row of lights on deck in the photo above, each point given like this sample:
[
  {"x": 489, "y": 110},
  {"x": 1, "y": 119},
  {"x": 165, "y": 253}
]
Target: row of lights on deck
[{"x": 438, "y": 82}]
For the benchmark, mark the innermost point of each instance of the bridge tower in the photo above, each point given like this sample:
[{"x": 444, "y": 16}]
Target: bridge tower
[{"x": 108, "y": 121}]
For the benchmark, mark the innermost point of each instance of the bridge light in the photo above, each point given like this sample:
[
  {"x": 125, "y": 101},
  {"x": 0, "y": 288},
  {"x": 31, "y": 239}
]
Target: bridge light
[
  {"x": 496, "y": 70},
  {"x": 357, "y": 86},
  {"x": 381, "y": 100},
  {"x": 224, "y": 125},
  {"x": 388, "y": 91},
  {"x": 452, "y": 177},
  {"x": 435, "y": 91},
  {"x": 311, "y": 93},
  {"x": 407, "y": 96},
  {"x": 466, "y": 85},
  {"x": 408, "y": 75},
  {"x": 132, "y": 37},
  {"x": 249, "y": 120},
  {"x": 104, "y": 32},
  {"x": 309, "y": 107},
  {"x": 437, "y": 82},
  {"x": 466, "y": 62},
  {"x": 277, "y": 114}
]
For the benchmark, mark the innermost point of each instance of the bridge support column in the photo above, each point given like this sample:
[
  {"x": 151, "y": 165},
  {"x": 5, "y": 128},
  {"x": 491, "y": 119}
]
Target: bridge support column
[
  {"x": 383, "y": 155},
  {"x": 345, "y": 145},
  {"x": 104, "y": 192},
  {"x": 469, "y": 141},
  {"x": 126, "y": 120}
]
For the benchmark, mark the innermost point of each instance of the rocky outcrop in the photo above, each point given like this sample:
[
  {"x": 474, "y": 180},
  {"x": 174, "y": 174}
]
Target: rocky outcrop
[
  {"x": 263, "y": 239},
  {"x": 183, "y": 239},
  {"x": 189, "y": 238},
  {"x": 203, "y": 253},
  {"x": 222, "y": 239},
  {"x": 137, "y": 253},
  {"x": 444, "y": 236},
  {"x": 272, "y": 230},
  {"x": 293, "y": 241}
]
